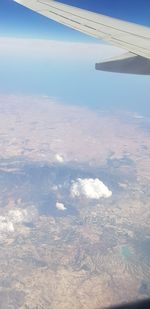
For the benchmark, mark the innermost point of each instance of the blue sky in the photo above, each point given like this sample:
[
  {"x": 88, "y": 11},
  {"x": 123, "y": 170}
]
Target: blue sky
[{"x": 67, "y": 76}]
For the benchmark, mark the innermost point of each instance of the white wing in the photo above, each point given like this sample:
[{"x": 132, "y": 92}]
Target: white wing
[{"x": 131, "y": 37}]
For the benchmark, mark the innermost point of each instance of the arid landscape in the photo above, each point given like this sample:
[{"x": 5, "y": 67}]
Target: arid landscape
[{"x": 74, "y": 202}]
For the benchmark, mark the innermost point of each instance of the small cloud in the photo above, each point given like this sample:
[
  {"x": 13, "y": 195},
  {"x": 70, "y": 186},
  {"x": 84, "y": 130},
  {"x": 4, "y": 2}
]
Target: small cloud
[
  {"x": 60, "y": 206},
  {"x": 137, "y": 116},
  {"x": 59, "y": 158},
  {"x": 54, "y": 188},
  {"x": 18, "y": 215},
  {"x": 6, "y": 226},
  {"x": 123, "y": 185},
  {"x": 90, "y": 188},
  {"x": 14, "y": 218}
]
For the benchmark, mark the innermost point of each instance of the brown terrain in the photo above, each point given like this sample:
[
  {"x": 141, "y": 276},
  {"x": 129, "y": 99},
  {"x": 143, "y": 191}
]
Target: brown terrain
[{"x": 96, "y": 252}]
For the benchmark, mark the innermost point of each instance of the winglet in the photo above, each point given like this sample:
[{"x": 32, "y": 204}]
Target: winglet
[{"x": 128, "y": 63}]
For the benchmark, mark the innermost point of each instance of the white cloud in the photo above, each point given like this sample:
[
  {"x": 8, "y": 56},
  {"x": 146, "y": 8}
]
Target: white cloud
[
  {"x": 6, "y": 226},
  {"x": 60, "y": 206},
  {"x": 39, "y": 48},
  {"x": 59, "y": 158},
  {"x": 54, "y": 188},
  {"x": 137, "y": 116},
  {"x": 90, "y": 188},
  {"x": 15, "y": 217},
  {"x": 18, "y": 215}
]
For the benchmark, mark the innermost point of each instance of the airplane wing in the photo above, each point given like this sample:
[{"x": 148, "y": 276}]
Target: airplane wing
[{"x": 135, "y": 39}]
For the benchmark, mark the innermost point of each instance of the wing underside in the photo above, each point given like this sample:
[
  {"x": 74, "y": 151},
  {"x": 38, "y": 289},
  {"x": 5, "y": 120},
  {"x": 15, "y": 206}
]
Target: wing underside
[
  {"x": 132, "y": 37},
  {"x": 126, "y": 63}
]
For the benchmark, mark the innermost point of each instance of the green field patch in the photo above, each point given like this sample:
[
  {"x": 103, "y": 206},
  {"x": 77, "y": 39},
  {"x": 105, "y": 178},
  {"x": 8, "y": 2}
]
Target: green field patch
[{"x": 126, "y": 252}]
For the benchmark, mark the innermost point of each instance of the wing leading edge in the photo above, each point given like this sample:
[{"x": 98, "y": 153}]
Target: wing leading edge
[{"x": 131, "y": 37}]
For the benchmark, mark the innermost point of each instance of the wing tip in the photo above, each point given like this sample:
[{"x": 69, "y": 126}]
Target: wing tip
[{"x": 129, "y": 64}]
